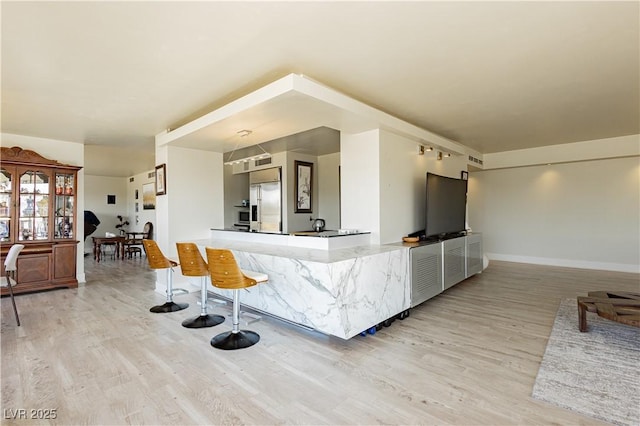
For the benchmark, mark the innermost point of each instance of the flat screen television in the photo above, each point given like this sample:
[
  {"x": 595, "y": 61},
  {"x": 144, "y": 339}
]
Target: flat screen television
[{"x": 446, "y": 206}]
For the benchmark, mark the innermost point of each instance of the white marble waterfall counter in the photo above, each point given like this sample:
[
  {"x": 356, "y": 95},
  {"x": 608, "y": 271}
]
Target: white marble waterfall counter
[
  {"x": 339, "y": 292},
  {"x": 327, "y": 240}
]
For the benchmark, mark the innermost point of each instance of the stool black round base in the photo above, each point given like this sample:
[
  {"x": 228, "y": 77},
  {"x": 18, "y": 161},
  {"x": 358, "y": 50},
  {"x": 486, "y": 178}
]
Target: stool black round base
[
  {"x": 202, "y": 321},
  {"x": 230, "y": 340},
  {"x": 169, "y": 307}
]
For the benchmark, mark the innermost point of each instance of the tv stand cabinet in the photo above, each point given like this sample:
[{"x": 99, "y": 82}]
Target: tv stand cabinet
[{"x": 438, "y": 266}]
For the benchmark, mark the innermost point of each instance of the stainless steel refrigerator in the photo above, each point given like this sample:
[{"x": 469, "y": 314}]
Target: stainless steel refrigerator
[{"x": 265, "y": 196}]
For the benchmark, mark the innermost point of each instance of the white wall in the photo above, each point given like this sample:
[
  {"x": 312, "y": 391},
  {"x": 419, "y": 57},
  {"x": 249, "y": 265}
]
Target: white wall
[
  {"x": 67, "y": 153},
  {"x": 236, "y": 189},
  {"x": 599, "y": 149},
  {"x": 298, "y": 221},
  {"x": 403, "y": 184},
  {"x": 360, "y": 192},
  {"x": 384, "y": 183},
  {"x": 329, "y": 190},
  {"x": 138, "y": 218},
  {"x": 96, "y": 190},
  {"x": 583, "y": 214},
  {"x": 195, "y": 196}
]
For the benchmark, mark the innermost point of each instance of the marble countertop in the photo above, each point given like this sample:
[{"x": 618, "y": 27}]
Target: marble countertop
[
  {"x": 322, "y": 234},
  {"x": 300, "y": 253},
  {"x": 329, "y": 233}
]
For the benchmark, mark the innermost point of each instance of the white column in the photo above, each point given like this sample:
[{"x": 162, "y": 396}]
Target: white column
[{"x": 360, "y": 182}]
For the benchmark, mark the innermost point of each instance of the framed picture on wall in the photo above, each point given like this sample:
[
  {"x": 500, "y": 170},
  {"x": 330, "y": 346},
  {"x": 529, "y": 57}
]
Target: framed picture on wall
[
  {"x": 464, "y": 175},
  {"x": 148, "y": 197},
  {"x": 303, "y": 187},
  {"x": 161, "y": 179}
]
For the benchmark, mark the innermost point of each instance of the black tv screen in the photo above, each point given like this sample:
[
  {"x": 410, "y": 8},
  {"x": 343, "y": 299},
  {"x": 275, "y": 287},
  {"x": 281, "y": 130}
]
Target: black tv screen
[{"x": 446, "y": 205}]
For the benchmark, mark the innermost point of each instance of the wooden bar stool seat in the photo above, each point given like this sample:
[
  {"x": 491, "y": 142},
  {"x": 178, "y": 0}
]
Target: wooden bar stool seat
[
  {"x": 157, "y": 260},
  {"x": 225, "y": 274},
  {"x": 193, "y": 265}
]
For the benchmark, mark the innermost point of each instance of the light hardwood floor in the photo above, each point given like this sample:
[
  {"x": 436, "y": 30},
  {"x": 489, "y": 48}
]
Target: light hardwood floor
[{"x": 469, "y": 356}]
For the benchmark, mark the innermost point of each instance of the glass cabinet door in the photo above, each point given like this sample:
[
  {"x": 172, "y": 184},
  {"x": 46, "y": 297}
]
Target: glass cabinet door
[
  {"x": 5, "y": 204},
  {"x": 65, "y": 199},
  {"x": 33, "y": 206}
]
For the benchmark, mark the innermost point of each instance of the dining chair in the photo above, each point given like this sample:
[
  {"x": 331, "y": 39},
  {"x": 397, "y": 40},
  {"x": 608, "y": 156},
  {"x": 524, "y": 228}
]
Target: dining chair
[{"x": 11, "y": 272}]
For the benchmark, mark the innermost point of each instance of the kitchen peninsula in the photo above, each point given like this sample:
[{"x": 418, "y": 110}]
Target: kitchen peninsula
[
  {"x": 371, "y": 179},
  {"x": 339, "y": 290}
]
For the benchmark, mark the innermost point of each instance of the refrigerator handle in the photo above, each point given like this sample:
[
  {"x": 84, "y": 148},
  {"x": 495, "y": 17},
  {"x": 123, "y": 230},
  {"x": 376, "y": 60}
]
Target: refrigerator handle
[{"x": 255, "y": 209}]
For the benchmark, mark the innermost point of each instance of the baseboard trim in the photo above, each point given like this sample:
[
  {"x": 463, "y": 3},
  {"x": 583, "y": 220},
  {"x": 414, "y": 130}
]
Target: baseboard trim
[{"x": 569, "y": 263}]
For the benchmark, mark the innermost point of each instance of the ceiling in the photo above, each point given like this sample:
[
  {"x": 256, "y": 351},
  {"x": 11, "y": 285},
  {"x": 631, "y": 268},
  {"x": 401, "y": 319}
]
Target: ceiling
[{"x": 493, "y": 76}]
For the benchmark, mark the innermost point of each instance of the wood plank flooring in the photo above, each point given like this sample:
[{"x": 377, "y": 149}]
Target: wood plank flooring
[{"x": 470, "y": 356}]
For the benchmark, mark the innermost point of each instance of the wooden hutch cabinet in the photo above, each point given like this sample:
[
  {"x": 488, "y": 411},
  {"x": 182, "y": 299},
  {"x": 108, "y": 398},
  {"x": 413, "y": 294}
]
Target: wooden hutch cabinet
[{"x": 38, "y": 209}]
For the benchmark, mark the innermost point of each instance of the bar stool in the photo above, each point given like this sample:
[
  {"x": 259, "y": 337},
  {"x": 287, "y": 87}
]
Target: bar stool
[
  {"x": 193, "y": 265},
  {"x": 226, "y": 274},
  {"x": 158, "y": 261}
]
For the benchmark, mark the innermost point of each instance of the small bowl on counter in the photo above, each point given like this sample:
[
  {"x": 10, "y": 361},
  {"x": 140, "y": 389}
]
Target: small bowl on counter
[{"x": 410, "y": 239}]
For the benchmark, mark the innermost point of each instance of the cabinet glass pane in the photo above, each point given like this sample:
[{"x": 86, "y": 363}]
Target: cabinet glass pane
[
  {"x": 64, "y": 184},
  {"x": 33, "y": 206},
  {"x": 5, "y": 205},
  {"x": 65, "y": 199}
]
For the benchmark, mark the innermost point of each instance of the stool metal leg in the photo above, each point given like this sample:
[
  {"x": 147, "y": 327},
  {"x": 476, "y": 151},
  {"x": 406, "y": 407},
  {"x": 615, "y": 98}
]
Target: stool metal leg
[
  {"x": 204, "y": 319},
  {"x": 236, "y": 338},
  {"x": 170, "y": 305}
]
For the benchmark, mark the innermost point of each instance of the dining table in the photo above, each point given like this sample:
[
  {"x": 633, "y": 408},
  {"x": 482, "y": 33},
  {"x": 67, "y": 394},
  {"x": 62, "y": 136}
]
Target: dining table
[{"x": 117, "y": 241}]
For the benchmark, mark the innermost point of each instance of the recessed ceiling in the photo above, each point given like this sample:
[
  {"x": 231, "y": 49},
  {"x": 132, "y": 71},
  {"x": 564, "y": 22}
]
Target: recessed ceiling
[
  {"x": 493, "y": 76},
  {"x": 318, "y": 141}
]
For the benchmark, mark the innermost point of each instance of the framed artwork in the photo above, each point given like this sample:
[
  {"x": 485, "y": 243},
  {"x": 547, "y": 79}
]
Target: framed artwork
[
  {"x": 161, "y": 179},
  {"x": 464, "y": 175},
  {"x": 148, "y": 197},
  {"x": 303, "y": 187}
]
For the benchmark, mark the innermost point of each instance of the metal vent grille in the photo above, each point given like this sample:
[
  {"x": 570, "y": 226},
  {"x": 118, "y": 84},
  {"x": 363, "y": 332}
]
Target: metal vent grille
[
  {"x": 426, "y": 273},
  {"x": 425, "y": 280},
  {"x": 473, "y": 159},
  {"x": 475, "y": 255},
  {"x": 263, "y": 161},
  {"x": 457, "y": 267}
]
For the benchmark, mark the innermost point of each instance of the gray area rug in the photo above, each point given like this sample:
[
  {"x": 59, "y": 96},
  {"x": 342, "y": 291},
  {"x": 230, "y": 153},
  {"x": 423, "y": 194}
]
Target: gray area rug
[{"x": 596, "y": 373}]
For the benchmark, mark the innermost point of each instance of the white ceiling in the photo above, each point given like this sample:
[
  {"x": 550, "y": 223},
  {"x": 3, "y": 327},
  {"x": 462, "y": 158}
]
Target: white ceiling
[{"x": 493, "y": 76}]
